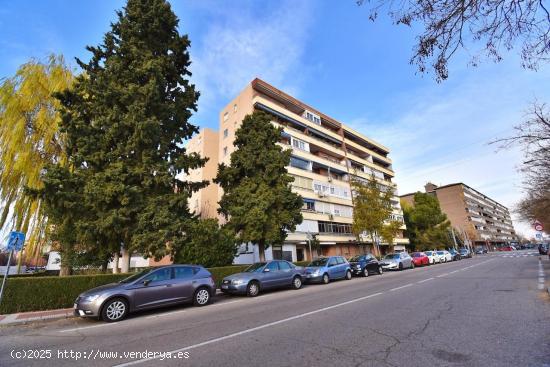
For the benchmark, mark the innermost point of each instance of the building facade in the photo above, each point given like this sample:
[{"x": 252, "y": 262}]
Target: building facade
[
  {"x": 326, "y": 155},
  {"x": 481, "y": 219}
]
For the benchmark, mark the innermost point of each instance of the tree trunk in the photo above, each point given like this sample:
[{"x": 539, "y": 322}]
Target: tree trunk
[
  {"x": 66, "y": 268},
  {"x": 125, "y": 260},
  {"x": 115, "y": 263},
  {"x": 261, "y": 250}
]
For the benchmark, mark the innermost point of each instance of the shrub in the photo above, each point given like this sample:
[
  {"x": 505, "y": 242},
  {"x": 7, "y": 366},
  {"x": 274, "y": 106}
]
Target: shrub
[{"x": 221, "y": 272}]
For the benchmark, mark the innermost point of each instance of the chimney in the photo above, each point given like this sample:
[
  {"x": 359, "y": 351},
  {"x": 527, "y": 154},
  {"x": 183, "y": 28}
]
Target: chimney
[{"x": 430, "y": 187}]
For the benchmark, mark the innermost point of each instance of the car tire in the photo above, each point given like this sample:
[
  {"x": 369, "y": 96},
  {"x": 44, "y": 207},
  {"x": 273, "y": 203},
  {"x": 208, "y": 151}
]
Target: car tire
[
  {"x": 412, "y": 265},
  {"x": 297, "y": 282},
  {"x": 400, "y": 266},
  {"x": 115, "y": 309},
  {"x": 366, "y": 272},
  {"x": 326, "y": 279},
  {"x": 253, "y": 289},
  {"x": 380, "y": 270},
  {"x": 201, "y": 297},
  {"x": 348, "y": 275}
]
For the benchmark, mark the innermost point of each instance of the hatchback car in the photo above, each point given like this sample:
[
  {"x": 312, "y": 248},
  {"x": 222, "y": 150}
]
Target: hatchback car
[
  {"x": 420, "y": 259},
  {"x": 262, "y": 276},
  {"x": 150, "y": 288},
  {"x": 397, "y": 261},
  {"x": 365, "y": 265},
  {"x": 464, "y": 252},
  {"x": 326, "y": 269},
  {"x": 433, "y": 257},
  {"x": 455, "y": 254},
  {"x": 444, "y": 256}
]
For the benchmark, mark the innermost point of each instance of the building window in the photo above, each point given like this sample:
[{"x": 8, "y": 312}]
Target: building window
[
  {"x": 234, "y": 108},
  {"x": 308, "y": 205},
  {"x": 299, "y": 163},
  {"x": 302, "y": 182},
  {"x": 331, "y": 227},
  {"x": 316, "y": 119},
  {"x": 225, "y": 133},
  {"x": 299, "y": 144},
  {"x": 225, "y": 116},
  {"x": 224, "y": 151}
]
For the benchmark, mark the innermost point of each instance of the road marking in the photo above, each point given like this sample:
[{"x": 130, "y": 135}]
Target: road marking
[
  {"x": 442, "y": 275},
  {"x": 403, "y": 286},
  {"x": 87, "y": 327},
  {"x": 425, "y": 280},
  {"x": 541, "y": 276},
  {"x": 248, "y": 331}
]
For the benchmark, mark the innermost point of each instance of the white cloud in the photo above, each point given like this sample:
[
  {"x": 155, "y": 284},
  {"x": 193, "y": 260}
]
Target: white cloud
[
  {"x": 239, "y": 47},
  {"x": 443, "y": 138}
]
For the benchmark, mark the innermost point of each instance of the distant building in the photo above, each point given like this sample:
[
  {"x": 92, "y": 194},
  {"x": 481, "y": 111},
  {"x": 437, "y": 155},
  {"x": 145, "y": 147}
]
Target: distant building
[
  {"x": 325, "y": 155},
  {"x": 482, "y": 219}
]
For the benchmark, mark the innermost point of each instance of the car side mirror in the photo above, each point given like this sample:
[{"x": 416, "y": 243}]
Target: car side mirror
[
  {"x": 266, "y": 270},
  {"x": 146, "y": 282}
]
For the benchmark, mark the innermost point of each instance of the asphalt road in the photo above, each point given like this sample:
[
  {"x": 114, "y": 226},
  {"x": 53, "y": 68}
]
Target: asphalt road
[{"x": 486, "y": 311}]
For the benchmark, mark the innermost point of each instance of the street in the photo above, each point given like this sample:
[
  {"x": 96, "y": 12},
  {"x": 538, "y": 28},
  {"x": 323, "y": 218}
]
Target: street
[{"x": 485, "y": 311}]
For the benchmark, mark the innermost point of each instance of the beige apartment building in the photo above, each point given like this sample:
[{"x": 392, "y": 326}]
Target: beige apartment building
[
  {"x": 326, "y": 154},
  {"x": 484, "y": 221}
]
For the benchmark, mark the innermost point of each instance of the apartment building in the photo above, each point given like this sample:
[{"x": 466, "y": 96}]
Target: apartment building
[
  {"x": 483, "y": 220},
  {"x": 326, "y": 154},
  {"x": 205, "y": 202}
]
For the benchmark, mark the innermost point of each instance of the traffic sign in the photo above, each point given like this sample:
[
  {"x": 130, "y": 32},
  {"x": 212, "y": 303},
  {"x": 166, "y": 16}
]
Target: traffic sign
[
  {"x": 538, "y": 226},
  {"x": 538, "y": 236},
  {"x": 16, "y": 241}
]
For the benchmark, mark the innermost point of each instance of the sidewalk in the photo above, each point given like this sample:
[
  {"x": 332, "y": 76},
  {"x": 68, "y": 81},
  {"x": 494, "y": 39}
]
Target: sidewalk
[{"x": 24, "y": 317}]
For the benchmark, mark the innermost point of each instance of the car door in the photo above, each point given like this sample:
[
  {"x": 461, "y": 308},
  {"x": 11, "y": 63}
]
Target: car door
[
  {"x": 154, "y": 290},
  {"x": 332, "y": 267},
  {"x": 286, "y": 273},
  {"x": 270, "y": 275},
  {"x": 183, "y": 287},
  {"x": 342, "y": 266}
]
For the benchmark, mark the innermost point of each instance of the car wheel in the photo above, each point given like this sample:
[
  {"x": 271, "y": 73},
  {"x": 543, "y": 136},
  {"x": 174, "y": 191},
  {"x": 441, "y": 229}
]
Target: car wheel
[
  {"x": 114, "y": 310},
  {"x": 202, "y": 297},
  {"x": 326, "y": 278},
  {"x": 400, "y": 266},
  {"x": 348, "y": 275},
  {"x": 380, "y": 270},
  {"x": 366, "y": 272},
  {"x": 412, "y": 265},
  {"x": 253, "y": 289},
  {"x": 297, "y": 282}
]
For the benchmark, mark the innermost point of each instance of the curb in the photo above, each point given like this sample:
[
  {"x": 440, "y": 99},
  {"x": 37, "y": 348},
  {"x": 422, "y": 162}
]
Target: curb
[{"x": 25, "y": 317}]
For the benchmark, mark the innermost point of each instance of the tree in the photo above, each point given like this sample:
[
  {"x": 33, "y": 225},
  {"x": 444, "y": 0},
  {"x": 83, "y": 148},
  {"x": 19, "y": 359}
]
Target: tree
[
  {"x": 372, "y": 208},
  {"x": 533, "y": 136},
  {"x": 257, "y": 199},
  {"x": 208, "y": 244},
  {"x": 427, "y": 225},
  {"x": 126, "y": 120},
  {"x": 389, "y": 231},
  {"x": 29, "y": 139},
  {"x": 450, "y": 25}
]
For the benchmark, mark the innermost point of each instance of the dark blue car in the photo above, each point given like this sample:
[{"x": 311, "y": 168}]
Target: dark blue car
[
  {"x": 326, "y": 269},
  {"x": 365, "y": 265}
]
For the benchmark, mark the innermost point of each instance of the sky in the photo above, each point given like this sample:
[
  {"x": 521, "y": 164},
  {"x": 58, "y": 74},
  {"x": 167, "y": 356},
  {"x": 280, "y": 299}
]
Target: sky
[{"x": 329, "y": 55}]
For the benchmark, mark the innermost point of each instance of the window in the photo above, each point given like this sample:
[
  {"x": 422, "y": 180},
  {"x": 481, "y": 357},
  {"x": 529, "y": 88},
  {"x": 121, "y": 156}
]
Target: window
[
  {"x": 225, "y": 116},
  {"x": 225, "y": 133},
  {"x": 299, "y": 163},
  {"x": 234, "y": 108},
  {"x": 283, "y": 265},
  {"x": 331, "y": 227},
  {"x": 224, "y": 151},
  {"x": 183, "y": 272},
  {"x": 308, "y": 205},
  {"x": 312, "y": 117},
  {"x": 273, "y": 266},
  {"x": 299, "y": 144},
  {"x": 332, "y": 261},
  {"x": 340, "y": 260},
  {"x": 302, "y": 182},
  {"x": 160, "y": 275}
]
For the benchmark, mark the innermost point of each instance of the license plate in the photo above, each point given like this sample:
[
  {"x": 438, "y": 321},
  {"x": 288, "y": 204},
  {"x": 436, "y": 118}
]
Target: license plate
[
  {"x": 224, "y": 286},
  {"x": 75, "y": 306}
]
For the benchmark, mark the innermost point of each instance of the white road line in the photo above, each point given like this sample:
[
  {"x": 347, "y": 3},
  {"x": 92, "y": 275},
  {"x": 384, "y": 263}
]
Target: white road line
[
  {"x": 425, "y": 280},
  {"x": 442, "y": 275},
  {"x": 87, "y": 327},
  {"x": 540, "y": 285},
  {"x": 403, "y": 286},
  {"x": 248, "y": 331}
]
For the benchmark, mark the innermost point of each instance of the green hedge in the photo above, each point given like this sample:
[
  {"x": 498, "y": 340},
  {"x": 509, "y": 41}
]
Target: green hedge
[{"x": 37, "y": 293}]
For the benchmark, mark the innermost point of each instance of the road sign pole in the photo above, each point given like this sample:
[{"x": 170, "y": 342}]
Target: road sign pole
[{"x": 5, "y": 276}]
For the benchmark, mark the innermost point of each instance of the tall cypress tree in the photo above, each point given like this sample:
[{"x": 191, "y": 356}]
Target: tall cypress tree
[
  {"x": 126, "y": 120},
  {"x": 257, "y": 198}
]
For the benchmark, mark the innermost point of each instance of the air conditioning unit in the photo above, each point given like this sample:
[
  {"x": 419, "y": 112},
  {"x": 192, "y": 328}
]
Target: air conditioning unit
[
  {"x": 321, "y": 194},
  {"x": 329, "y": 179},
  {"x": 331, "y": 216}
]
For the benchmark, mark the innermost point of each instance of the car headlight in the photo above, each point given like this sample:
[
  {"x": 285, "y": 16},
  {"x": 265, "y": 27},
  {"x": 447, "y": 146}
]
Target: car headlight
[
  {"x": 358, "y": 266},
  {"x": 90, "y": 298},
  {"x": 316, "y": 272},
  {"x": 237, "y": 281}
]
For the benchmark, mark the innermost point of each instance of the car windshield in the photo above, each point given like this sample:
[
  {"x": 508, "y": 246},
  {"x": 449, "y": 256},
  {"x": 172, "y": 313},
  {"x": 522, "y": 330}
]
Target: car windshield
[
  {"x": 254, "y": 268},
  {"x": 136, "y": 276},
  {"x": 392, "y": 256},
  {"x": 417, "y": 254},
  {"x": 440, "y": 253},
  {"x": 319, "y": 262},
  {"x": 357, "y": 258},
  {"x": 463, "y": 250}
]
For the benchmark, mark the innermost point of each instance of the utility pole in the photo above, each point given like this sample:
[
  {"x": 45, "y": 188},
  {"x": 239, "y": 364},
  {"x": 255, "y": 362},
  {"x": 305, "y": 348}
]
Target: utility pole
[{"x": 453, "y": 233}]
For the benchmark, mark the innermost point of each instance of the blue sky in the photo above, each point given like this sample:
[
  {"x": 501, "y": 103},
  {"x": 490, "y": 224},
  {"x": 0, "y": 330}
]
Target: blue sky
[{"x": 329, "y": 55}]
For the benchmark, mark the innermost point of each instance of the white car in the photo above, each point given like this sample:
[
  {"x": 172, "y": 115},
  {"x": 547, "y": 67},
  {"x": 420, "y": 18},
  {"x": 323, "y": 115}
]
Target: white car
[
  {"x": 433, "y": 257},
  {"x": 445, "y": 256}
]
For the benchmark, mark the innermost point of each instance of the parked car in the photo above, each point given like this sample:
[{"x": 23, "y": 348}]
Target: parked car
[
  {"x": 326, "y": 269},
  {"x": 480, "y": 250},
  {"x": 444, "y": 256},
  {"x": 150, "y": 288},
  {"x": 464, "y": 252},
  {"x": 397, "y": 261},
  {"x": 365, "y": 265},
  {"x": 420, "y": 259},
  {"x": 263, "y": 275},
  {"x": 433, "y": 257},
  {"x": 543, "y": 249}
]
